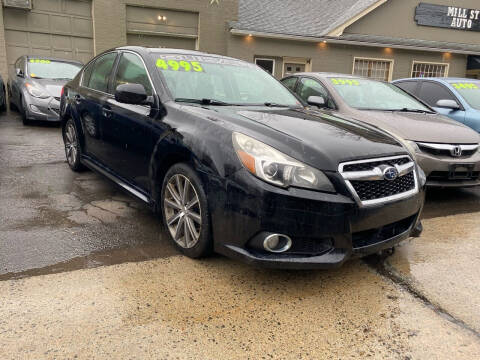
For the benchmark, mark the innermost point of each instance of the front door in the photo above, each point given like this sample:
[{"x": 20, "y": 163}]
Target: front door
[{"x": 129, "y": 127}]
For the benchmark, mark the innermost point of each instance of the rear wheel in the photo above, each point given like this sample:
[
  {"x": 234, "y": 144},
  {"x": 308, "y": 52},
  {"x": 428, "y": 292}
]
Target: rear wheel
[
  {"x": 185, "y": 211},
  {"x": 3, "y": 105},
  {"x": 72, "y": 146}
]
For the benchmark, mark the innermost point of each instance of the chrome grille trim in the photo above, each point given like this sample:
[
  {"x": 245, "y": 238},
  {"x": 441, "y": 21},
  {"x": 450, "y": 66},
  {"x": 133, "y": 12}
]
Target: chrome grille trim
[{"x": 376, "y": 174}]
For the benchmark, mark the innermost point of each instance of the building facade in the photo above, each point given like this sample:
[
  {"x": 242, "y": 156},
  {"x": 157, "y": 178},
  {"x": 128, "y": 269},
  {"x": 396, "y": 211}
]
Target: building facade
[{"x": 382, "y": 39}]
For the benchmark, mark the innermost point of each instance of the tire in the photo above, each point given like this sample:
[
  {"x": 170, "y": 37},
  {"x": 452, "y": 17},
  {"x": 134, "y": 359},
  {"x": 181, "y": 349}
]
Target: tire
[
  {"x": 23, "y": 112},
  {"x": 72, "y": 146},
  {"x": 195, "y": 221},
  {"x": 3, "y": 105}
]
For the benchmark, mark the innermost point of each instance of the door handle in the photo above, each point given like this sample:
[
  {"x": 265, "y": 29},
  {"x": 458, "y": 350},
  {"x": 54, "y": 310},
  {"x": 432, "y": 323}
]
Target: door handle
[{"x": 107, "y": 111}]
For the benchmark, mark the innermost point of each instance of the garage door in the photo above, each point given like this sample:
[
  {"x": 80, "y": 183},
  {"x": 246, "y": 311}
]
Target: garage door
[
  {"x": 154, "y": 27},
  {"x": 60, "y": 28}
]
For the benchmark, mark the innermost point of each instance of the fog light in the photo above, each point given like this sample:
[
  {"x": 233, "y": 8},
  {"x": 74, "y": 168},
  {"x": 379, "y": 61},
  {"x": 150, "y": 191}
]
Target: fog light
[
  {"x": 34, "y": 108},
  {"x": 277, "y": 243}
]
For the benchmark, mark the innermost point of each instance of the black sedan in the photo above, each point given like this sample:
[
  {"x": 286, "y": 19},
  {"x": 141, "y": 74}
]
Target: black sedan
[{"x": 235, "y": 164}]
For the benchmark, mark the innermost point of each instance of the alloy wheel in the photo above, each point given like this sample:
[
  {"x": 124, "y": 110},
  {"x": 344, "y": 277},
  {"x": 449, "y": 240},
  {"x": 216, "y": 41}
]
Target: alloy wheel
[
  {"x": 71, "y": 144},
  {"x": 182, "y": 211}
]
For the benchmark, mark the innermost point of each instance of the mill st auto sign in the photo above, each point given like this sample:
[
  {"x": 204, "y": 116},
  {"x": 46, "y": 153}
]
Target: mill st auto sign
[{"x": 452, "y": 17}]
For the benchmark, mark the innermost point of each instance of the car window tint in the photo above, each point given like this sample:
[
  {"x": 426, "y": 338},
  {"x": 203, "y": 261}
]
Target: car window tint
[
  {"x": 408, "y": 86},
  {"x": 132, "y": 71},
  {"x": 309, "y": 87},
  {"x": 431, "y": 92},
  {"x": 101, "y": 72},
  {"x": 290, "y": 83},
  {"x": 86, "y": 73}
]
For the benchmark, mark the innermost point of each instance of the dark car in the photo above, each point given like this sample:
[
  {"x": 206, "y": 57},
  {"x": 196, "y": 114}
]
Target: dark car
[
  {"x": 235, "y": 164},
  {"x": 3, "y": 95},
  {"x": 447, "y": 151},
  {"x": 457, "y": 98},
  {"x": 35, "y": 85}
]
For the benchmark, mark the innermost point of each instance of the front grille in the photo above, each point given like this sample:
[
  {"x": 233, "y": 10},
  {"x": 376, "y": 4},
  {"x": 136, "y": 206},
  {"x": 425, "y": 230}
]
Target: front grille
[
  {"x": 447, "y": 153},
  {"x": 367, "y": 179},
  {"x": 371, "y": 190},
  {"x": 365, "y": 166},
  {"x": 374, "y": 236},
  {"x": 309, "y": 246}
]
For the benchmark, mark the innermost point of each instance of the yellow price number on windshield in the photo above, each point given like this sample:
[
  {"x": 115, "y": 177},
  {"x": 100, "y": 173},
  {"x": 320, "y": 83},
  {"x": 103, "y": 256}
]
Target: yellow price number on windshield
[
  {"x": 349, "y": 82},
  {"x": 181, "y": 65},
  {"x": 39, "y": 61},
  {"x": 467, "y": 86}
]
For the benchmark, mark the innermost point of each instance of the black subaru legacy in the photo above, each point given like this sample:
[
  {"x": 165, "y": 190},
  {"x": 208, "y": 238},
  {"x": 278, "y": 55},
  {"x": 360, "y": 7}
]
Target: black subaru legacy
[{"x": 235, "y": 164}]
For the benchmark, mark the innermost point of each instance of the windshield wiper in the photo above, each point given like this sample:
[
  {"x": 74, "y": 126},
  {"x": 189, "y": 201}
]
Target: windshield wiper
[
  {"x": 204, "y": 101},
  {"x": 61, "y": 79},
  {"x": 412, "y": 110}
]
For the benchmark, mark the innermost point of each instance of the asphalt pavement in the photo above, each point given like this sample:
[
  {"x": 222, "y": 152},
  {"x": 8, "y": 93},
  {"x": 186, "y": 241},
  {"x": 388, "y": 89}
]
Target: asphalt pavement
[{"x": 86, "y": 271}]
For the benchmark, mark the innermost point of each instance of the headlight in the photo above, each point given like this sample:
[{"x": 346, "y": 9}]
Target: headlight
[
  {"x": 277, "y": 168},
  {"x": 36, "y": 91}
]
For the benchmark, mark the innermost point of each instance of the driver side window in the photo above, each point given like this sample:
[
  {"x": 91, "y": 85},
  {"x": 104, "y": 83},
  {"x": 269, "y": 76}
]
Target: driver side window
[
  {"x": 132, "y": 71},
  {"x": 309, "y": 87}
]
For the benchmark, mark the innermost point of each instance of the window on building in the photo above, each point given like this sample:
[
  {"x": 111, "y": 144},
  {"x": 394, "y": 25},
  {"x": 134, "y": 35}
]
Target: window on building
[
  {"x": 292, "y": 68},
  {"x": 421, "y": 69},
  {"x": 266, "y": 64},
  {"x": 131, "y": 71},
  {"x": 431, "y": 92},
  {"x": 101, "y": 72},
  {"x": 378, "y": 69}
]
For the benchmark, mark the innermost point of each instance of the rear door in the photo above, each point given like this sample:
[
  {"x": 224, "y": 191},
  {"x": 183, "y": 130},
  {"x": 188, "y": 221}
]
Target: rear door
[
  {"x": 128, "y": 130},
  {"x": 89, "y": 105},
  {"x": 431, "y": 92}
]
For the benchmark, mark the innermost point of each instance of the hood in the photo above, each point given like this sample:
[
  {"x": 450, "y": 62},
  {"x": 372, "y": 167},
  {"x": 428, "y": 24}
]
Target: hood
[
  {"x": 53, "y": 87},
  {"x": 433, "y": 128},
  {"x": 320, "y": 140}
]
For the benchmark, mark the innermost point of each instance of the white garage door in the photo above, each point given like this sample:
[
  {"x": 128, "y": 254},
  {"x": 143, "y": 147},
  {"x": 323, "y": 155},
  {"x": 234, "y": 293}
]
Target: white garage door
[
  {"x": 60, "y": 28},
  {"x": 153, "y": 27}
]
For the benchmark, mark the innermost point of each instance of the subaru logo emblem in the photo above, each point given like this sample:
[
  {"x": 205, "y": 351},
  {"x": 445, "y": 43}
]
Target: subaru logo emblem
[
  {"x": 457, "y": 151},
  {"x": 390, "y": 173}
]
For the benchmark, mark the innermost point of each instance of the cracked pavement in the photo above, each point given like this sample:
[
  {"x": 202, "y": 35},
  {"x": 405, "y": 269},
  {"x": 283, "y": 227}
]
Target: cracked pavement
[{"x": 86, "y": 272}]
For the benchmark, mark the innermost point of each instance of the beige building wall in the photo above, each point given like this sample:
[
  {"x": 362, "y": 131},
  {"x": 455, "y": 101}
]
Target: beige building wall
[
  {"x": 3, "y": 50},
  {"x": 329, "y": 57},
  {"x": 109, "y": 21},
  {"x": 396, "y": 18}
]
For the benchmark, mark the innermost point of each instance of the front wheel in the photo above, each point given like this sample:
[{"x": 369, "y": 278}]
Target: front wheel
[
  {"x": 72, "y": 146},
  {"x": 185, "y": 211}
]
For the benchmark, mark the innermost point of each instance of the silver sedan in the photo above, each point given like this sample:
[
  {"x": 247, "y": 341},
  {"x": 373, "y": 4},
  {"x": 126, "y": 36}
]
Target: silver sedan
[{"x": 36, "y": 83}]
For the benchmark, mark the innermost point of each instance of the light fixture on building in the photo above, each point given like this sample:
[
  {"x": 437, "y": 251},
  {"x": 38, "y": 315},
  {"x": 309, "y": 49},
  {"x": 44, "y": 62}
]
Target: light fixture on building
[
  {"x": 324, "y": 41},
  {"x": 250, "y": 35},
  {"x": 162, "y": 18}
]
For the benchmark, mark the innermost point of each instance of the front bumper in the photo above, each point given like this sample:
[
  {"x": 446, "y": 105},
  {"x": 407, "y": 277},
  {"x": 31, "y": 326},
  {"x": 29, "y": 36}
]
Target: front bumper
[
  {"x": 443, "y": 171},
  {"x": 42, "y": 109},
  {"x": 326, "y": 229}
]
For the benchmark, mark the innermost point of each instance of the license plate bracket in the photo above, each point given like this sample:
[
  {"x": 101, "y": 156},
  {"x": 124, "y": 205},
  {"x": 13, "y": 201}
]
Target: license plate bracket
[{"x": 460, "y": 171}]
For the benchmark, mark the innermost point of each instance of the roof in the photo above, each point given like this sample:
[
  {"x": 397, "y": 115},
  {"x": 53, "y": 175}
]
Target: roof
[
  {"x": 298, "y": 17},
  {"x": 52, "y": 58},
  {"x": 445, "y": 80},
  {"x": 314, "y": 20}
]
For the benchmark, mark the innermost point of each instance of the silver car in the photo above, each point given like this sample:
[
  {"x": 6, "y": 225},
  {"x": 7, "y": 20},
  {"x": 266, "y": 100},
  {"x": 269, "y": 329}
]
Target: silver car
[
  {"x": 36, "y": 83},
  {"x": 447, "y": 151}
]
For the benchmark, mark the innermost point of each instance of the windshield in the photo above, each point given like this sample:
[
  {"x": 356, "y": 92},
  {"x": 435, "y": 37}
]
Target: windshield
[
  {"x": 470, "y": 91},
  {"x": 51, "y": 69},
  {"x": 193, "y": 78},
  {"x": 374, "y": 95}
]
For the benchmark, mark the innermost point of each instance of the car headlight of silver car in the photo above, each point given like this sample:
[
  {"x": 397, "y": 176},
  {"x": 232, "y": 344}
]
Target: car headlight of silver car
[
  {"x": 413, "y": 146},
  {"x": 277, "y": 168},
  {"x": 36, "y": 91}
]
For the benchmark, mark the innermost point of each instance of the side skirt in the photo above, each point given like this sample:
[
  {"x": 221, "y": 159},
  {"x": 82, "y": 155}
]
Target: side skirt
[{"x": 139, "y": 194}]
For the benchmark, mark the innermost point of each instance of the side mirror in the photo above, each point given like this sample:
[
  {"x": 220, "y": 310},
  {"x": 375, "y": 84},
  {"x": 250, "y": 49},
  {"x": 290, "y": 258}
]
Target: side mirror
[
  {"x": 134, "y": 94},
  {"x": 316, "y": 100},
  {"x": 448, "y": 104},
  {"x": 19, "y": 72}
]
